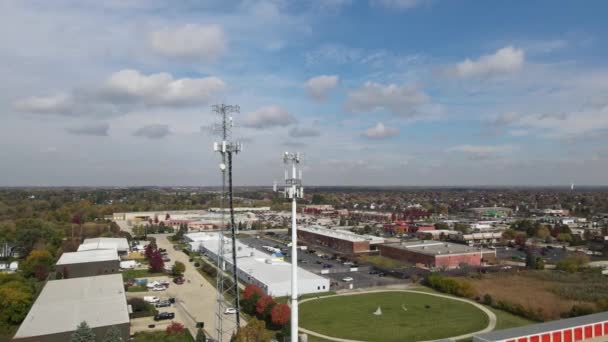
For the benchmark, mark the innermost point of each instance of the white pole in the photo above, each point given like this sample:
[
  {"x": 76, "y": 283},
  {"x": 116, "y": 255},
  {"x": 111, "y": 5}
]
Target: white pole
[{"x": 294, "y": 262}]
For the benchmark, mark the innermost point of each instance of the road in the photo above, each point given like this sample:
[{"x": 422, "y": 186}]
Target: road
[{"x": 195, "y": 299}]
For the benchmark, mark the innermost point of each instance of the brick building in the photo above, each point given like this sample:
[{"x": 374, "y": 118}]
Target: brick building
[
  {"x": 434, "y": 254},
  {"x": 339, "y": 240}
]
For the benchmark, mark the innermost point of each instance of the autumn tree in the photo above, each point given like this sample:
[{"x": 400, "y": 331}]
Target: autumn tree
[
  {"x": 280, "y": 314},
  {"x": 149, "y": 250},
  {"x": 16, "y": 297},
  {"x": 251, "y": 294},
  {"x": 156, "y": 262},
  {"x": 175, "y": 328},
  {"x": 262, "y": 304},
  {"x": 255, "y": 331},
  {"x": 178, "y": 268},
  {"x": 38, "y": 263},
  {"x": 83, "y": 333}
]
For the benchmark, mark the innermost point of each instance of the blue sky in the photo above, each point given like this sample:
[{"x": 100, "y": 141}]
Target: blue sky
[{"x": 378, "y": 92}]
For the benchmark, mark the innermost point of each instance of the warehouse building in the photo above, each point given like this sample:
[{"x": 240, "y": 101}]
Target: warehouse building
[
  {"x": 121, "y": 245},
  {"x": 64, "y": 304},
  {"x": 583, "y": 328},
  {"x": 435, "y": 254},
  {"x": 270, "y": 273},
  {"x": 338, "y": 240},
  {"x": 88, "y": 263}
]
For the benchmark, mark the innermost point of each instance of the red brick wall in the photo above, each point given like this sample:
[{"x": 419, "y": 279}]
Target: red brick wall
[
  {"x": 451, "y": 261},
  {"x": 405, "y": 255},
  {"x": 344, "y": 246}
]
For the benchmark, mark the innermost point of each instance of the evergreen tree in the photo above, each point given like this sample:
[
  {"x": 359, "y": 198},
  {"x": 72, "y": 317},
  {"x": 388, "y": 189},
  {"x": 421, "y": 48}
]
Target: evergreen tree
[
  {"x": 83, "y": 333},
  {"x": 200, "y": 336},
  {"x": 113, "y": 335}
]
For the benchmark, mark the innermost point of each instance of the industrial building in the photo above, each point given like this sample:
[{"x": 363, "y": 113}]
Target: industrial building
[
  {"x": 436, "y": 254},
  {"x": 88, "y": 263},
  {"x": 64, "y": 304},
  {"x": 341, "y": 241},
  {"x": 270, "y": 273},
  {"x": 121, "y": 245},
  {"x": 583, "y": 328}
]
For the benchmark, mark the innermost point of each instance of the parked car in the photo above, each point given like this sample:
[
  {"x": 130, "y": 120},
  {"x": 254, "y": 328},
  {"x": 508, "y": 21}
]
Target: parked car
[
  {"x": 347, "y": 279},
  {"x": 229, "y": 311},
  {"x": 163, "y": 303},
  {"x": 328, "y": 265},
  {"x": 166, "y": 259},
  {"x": 151, "y": 299},
  {"x": 164, "y": 315},
  {"x": 178, "y": 280},
  {"x": 159, "y": 288}
]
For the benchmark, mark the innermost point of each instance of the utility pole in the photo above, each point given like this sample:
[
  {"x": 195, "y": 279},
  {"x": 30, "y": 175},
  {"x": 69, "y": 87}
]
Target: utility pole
[
  {"x": 293, "y": 190},
  {"x": 225, "y": 292}
]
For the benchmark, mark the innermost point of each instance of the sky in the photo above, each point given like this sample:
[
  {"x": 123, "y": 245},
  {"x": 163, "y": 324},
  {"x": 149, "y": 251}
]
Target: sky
[{"x": 370, "y": 92}]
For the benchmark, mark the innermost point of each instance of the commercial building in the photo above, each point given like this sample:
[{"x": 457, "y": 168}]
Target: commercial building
[
  {"x": 270, "y": 273},
  {"x": 64, "y": 304},
  {"x": 583, "y": 328},
  {"x": 491, "y": 212},
  {"x": 88, "y": 263},
  {"x": 121, "y": 245},
  {"x": 435, "y": 254},
  {"x": 338, "y": 240}
]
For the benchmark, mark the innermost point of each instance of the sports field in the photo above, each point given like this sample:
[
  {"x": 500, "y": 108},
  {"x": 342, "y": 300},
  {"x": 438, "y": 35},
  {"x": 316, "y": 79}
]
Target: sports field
[{"x": 405, "y": 316}]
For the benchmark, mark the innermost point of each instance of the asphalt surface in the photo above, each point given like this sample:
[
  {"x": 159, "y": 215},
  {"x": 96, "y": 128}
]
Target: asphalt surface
[
  {"x": 195, "y": 299},
  {"x": 336, "y": 270}
]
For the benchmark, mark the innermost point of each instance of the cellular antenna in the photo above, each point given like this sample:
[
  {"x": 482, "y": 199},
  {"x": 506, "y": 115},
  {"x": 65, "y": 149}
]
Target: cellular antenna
[
  {"x": 292, "y": 191},
  {"x": 226, "y": 290}
]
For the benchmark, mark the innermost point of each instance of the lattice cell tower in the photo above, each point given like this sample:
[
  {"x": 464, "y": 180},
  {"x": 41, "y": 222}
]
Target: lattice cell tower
[{"x": 227, "y": 321}]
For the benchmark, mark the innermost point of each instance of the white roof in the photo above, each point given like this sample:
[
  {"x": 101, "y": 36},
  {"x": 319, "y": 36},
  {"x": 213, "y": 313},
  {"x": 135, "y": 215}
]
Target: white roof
[
  {"x": 120, "y": 244},
  {"x": 262, "y": 266},
  {"x": 88, "y": 256},
  {"x": 341, "y": 234},
  {"x": 63, "y": 304}
]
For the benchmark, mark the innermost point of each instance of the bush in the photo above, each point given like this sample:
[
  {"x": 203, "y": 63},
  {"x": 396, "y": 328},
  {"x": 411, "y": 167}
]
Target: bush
[
  {"x": 488, "y": 300},
  {"x": 141, "y": 308},
  {"x": 457, "y": 287},
  {"x": 573, "y": 263}
]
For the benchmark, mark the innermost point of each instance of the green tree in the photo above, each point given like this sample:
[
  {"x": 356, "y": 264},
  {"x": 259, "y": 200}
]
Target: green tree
[
  {"x": 113, "y": 335},
  {"x": 572, "y": 263},
  {"x": 318, "y": 199},
  {"x": 543, "y": 232},
  {"x": 83, "y": 333},
  {"x": 178, "y": 268},
  {"x": 16, "y": 297},
  {"x": 38, "y": 263},
  {"x": 200, "y": 336},
  {"x": 463, "y": 228}
]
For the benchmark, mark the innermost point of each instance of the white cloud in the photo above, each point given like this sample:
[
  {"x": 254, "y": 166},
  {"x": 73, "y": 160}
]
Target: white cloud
[
  {"x": 380, "y": 131},
  {"x": 318, "y": 87},
  {"x": 575, "y": 124},
  {"x": 504, "y": 61},
  {"x": 190, "y": 41},
  {"x": 154, "y": 131},
  {"x": 481, "y": 151},
  {"x": 400, "y": 100},
  {"x": 99, "y": 129},
  {"x": 161, "y": 88},
  {"x": 59, "y": 103},
  {"x": 269, "y": 116},
  {"x": 304, "y": 132},
  {"x": 398, "y": 4}
]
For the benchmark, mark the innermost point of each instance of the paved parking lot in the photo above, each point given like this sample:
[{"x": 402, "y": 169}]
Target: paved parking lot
[
  {"x": 313, "y": 263},
  {"x": 195, "y": 299}
]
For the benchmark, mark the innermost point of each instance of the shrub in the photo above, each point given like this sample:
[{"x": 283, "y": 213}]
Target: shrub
[
  {"x": 175, "y": 328},
  {"x": 457, "y": 287},
  {"x": 487, "y": 299},
  {"x": 280, "y": 315}
]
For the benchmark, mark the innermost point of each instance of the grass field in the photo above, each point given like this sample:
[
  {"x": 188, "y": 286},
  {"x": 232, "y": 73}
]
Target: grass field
[
  {"x": 405, "y": 317},
  {"x": 132, "y": 274},
  {"x": 160, "y": 336}
]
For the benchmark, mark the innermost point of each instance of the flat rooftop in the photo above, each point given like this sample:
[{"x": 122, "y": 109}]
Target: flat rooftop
[
  {"x": 341, "y": 234},
  {"x": 437, "y": 248},
  {"x": 541, "y": 328},
  {"x": 120, "y": 244},
  {"x": 260, "y": 265},
  {"x": 63, "y": 304},
  {"x": 93, "y": 255}
]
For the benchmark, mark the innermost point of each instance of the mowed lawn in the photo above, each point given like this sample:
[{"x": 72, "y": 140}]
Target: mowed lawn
[{"x": 405, "y": 317}]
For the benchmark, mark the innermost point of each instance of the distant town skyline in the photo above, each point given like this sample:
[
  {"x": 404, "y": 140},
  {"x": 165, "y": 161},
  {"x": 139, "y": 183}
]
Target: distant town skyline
[{"x": 373, "y": 93}]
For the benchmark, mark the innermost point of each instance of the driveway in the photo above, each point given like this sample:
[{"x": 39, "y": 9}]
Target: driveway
[{"x": 195, "y": 299}]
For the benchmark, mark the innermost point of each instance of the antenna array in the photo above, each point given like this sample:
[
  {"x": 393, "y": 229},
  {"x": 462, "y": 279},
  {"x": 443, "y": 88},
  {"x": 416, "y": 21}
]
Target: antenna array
[{"x": 227, "y": 289}]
